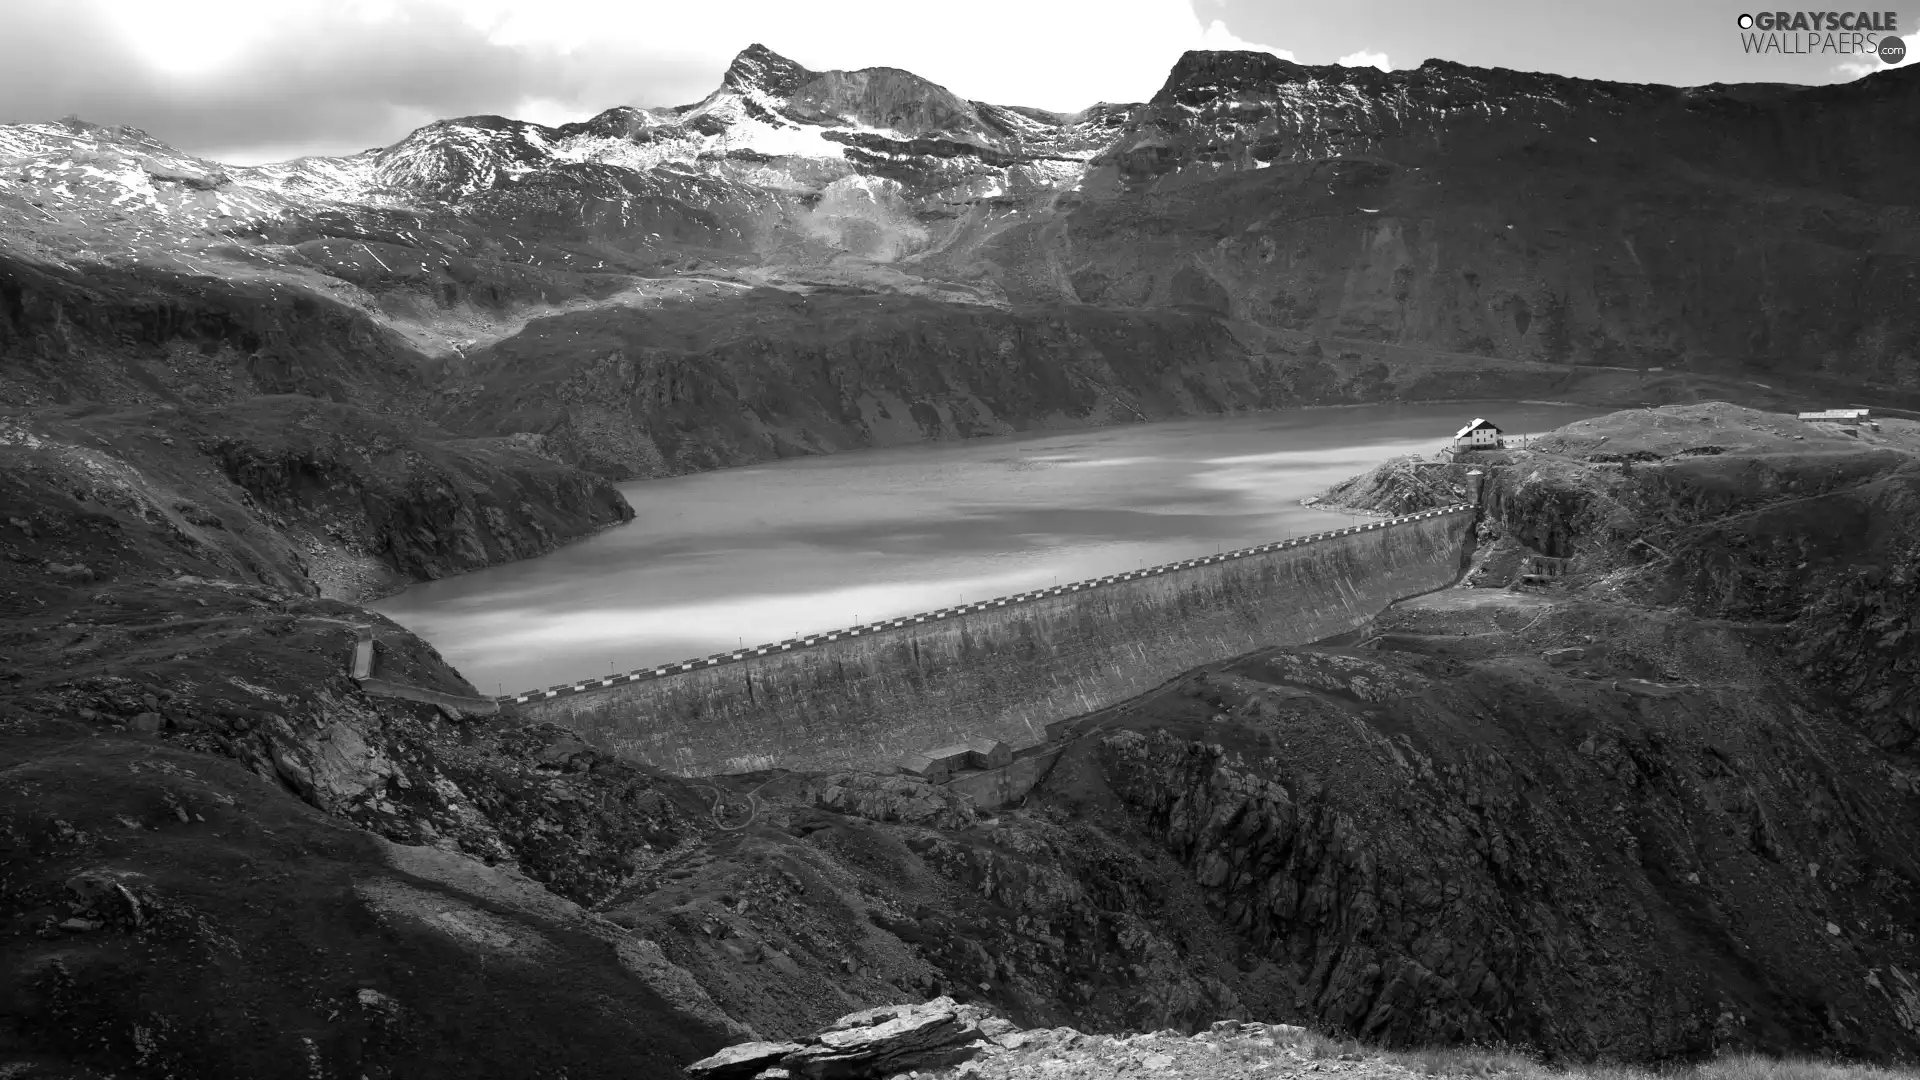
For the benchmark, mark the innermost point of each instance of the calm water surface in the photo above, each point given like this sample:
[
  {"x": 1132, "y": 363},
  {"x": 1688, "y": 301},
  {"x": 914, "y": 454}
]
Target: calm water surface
[{"x": 756, "y": 554}]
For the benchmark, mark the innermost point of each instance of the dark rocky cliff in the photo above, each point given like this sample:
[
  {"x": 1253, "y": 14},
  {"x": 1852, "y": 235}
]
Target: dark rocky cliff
[
  {"x": 1564, "y": 819},
  {"x": 297, "y": 494},
  {"x": 1543, "y": 859},
  {"x": 1243, "y": 107},
  {"x": 1524, "y": 242},
  {"x": 749, "y": 375},
  {"x": 134, "y": 334},
  {"x": 427, "y": 508},
  {"x": 1459, "y": 222},
  {"x": 1730, "y": 514},
  {"x": 770, "y": 374}
]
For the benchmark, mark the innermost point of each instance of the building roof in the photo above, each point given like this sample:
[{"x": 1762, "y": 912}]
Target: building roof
[
  {"x": 955, "y": 758},
  {"x": 917, "y": 763},
  {"x": 982, "y": 744},
  {"x": 1836, "y": 414},
  {"x": 956, "y": 752},
  {"x": 1477, "y": 424}
]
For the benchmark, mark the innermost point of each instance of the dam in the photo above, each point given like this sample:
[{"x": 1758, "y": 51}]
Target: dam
[{"x": 1003, "y": 668}]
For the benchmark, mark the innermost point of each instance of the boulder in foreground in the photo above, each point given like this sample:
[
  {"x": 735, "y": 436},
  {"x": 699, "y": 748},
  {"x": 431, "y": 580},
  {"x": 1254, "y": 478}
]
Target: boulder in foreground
[{"x": 872, "y": 1043}]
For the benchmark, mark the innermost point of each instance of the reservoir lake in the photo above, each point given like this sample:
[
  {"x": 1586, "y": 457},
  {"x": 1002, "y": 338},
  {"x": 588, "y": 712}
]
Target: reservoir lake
[{"x": 751, "y": 555}]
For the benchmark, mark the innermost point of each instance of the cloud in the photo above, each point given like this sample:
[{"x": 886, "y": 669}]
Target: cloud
[
  {"x": 247, "y": 81},
  {"x": 314, "y": 77},
  {"x": 1363, "y": 58},
  {"x": 1848, "y": 70},
  {"x": 1217, "y": 37}
]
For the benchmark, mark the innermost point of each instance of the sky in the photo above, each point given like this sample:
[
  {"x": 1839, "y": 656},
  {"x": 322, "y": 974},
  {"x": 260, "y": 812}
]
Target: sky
[{"x": 247, "y": 81}]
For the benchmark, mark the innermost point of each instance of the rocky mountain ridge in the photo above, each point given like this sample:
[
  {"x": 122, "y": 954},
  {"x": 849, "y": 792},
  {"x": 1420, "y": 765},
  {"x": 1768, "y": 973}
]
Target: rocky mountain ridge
[
  {"x": 1626, "y": 817},
  {"x": 1249, "y": 110},
  {"x": 1743, "y": 242}
]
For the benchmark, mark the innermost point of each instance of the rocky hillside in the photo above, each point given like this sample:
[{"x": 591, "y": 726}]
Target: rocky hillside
[
  {"x": 1270, "y": 233},
  {"x": 1663, "y": 805},
  {"x": 1586, "y": 820},
  {"x": 1509, "y": 214},
  {"x": 1730, "y": 513},
  {"x": 300, "y": 496}
]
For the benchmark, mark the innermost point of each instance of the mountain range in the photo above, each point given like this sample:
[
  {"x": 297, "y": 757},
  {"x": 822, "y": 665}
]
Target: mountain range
[{"x": 804, "y": 261}]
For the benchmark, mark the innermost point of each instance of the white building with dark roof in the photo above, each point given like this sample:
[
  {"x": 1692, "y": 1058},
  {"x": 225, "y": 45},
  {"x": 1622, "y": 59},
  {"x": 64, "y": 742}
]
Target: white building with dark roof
[
  {"x": 1849, "y": 417},
  {"x": 1482, "y": 434}
]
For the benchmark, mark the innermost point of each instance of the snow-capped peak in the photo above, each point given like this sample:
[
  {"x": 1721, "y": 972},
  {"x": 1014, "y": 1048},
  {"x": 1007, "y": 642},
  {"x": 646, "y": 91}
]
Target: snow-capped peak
[{"x": 760, "y": 69}]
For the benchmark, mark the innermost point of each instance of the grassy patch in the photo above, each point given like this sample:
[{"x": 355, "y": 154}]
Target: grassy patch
[{"x": 1519, "y": 1065}]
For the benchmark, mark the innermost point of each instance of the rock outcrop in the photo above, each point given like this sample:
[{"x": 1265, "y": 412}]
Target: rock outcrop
[
  {"x": 868, "y": 1045},
  {"x": 645, "y": 393},
  {"x": 425, "y": 507},
  {"x": 172, "y": 913},
  {"x": 1731, "y": 513},
  {"x": 1228, "y": 1050},
  {"x": 906, "y": 799},
  {"x": 288, "y": 492},
  {"x": 1403, "y": 485}
]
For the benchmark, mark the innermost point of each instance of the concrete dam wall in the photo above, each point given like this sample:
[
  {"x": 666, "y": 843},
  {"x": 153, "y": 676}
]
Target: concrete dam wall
[{"x": 1003, "y": 668}]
